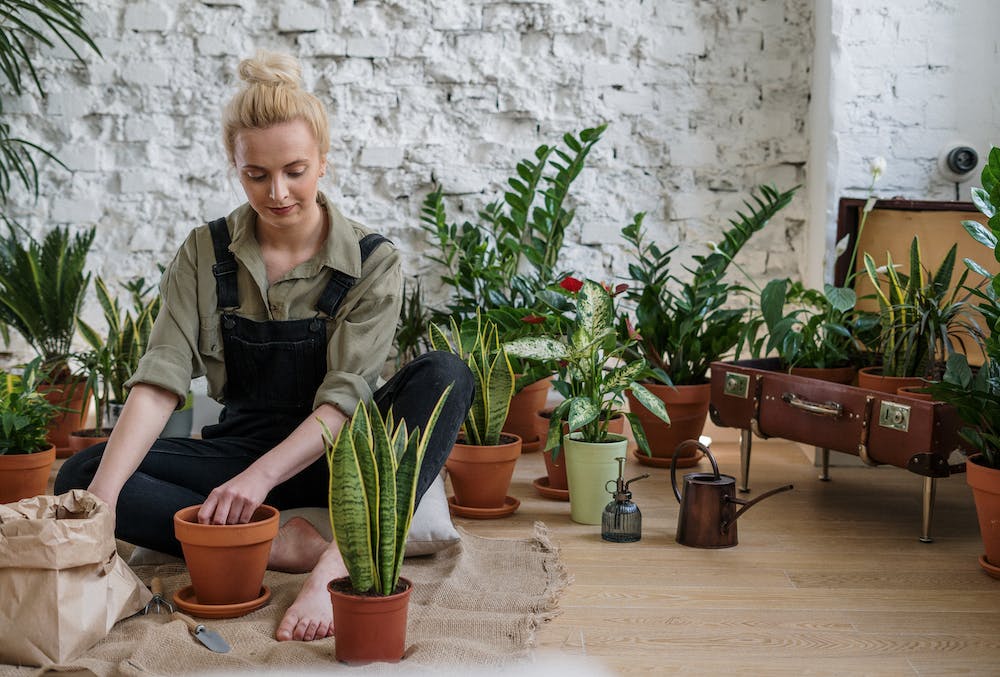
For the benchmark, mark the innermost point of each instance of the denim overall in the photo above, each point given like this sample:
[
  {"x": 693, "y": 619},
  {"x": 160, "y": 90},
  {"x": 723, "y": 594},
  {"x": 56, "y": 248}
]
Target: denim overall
[{"x": 273, "y": 370}]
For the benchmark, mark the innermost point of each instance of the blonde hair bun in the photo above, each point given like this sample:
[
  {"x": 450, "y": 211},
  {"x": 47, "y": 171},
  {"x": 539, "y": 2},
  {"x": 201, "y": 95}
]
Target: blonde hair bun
[{"x": 271, "y": 68}]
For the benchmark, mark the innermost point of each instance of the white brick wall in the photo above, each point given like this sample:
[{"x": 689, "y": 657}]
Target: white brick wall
[{"x": 704, "y": 99}]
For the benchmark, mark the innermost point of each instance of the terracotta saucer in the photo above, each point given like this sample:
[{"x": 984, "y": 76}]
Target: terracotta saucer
[
  {"x": 542, "y": 487},
  {"x": 532, "y": 446},
  {"x": 660, "y": 462},
  {"x": 991, "y": 569},
  {"x": 510, "y": 504},
  {"x": 186, "y": 601}
]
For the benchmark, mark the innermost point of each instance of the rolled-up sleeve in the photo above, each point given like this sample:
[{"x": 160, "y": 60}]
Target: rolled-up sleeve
[
  {"x": 171, "y": 358},
  {"x": 363, "y": 333}
]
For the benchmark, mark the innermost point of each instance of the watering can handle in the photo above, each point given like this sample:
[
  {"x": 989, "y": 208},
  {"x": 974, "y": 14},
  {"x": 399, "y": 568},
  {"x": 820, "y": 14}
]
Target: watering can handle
[{"x": 673, "y": 463}]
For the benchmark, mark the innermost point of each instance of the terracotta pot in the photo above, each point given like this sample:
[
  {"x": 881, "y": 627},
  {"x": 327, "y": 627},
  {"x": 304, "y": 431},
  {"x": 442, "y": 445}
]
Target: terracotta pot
[
  {"x": 25, "y": 475},
  {"x": 845, "y": 375},
  {"x": 871, "y": 378},
  {"x": 985, "y": 483},
  {"x": 524, "y": 407},
  {"x": 914, "y": 392},
  {"x": 557, "y": 468},
  {"x": 481, "y": 476},
  {"x": 226, "y": 561},
  {"x": 369, "y": 628},
  {"x": 72, "y": 415},
  {"x": 688, "y": 410},
  {"x": 83, "y": 439}
]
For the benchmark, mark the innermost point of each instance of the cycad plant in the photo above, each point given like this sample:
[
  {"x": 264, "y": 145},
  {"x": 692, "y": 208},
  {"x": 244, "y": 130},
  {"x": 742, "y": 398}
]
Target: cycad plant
[
  {"x": 42, "y": 285},
  {"x": 477, "y": 342},
  {"x": 374, "y": 465}
]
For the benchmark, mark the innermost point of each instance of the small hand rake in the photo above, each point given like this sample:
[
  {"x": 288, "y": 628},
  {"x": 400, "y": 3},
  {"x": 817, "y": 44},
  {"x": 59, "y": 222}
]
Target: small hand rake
[{"x": 159, "y": 604}]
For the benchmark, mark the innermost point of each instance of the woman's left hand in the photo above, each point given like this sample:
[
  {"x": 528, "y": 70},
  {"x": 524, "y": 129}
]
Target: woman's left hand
[{"x": 235, "y": 501}]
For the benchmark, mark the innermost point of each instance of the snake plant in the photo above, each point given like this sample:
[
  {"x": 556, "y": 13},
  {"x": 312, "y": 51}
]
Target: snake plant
[
  {"x": 374, "y": 465},
  {"x": 477, "y": 342},
  {"x": 920, "y": 313}
]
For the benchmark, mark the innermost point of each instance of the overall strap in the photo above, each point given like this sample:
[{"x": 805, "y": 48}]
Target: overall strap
[
  {"x": 340, "y": 283},
  {"x": 224, "y": 268}
]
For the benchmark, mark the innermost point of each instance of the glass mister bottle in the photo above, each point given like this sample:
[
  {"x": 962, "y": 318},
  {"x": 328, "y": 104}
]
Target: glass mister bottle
[{"x": 621, "y": 521}]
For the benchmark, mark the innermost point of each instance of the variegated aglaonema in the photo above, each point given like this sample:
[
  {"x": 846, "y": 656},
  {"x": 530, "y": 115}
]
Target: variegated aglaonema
[{"x": 593, "y": 376}]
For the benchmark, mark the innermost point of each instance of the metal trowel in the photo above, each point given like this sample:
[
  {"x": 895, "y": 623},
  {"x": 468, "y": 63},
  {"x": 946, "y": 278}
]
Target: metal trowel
[{"x": 210, "y": 638}]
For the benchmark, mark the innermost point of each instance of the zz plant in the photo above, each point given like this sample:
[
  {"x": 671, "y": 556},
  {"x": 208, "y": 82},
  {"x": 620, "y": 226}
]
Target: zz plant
[
  {"x": 374, "y": 465},
  {"x": 477, "y": 342}
]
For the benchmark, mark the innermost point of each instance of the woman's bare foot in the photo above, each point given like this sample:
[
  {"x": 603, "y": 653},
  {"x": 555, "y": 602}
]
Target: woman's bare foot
[
  {"x": 297, "y": 547},
  {"x": 311, "y": 614}
]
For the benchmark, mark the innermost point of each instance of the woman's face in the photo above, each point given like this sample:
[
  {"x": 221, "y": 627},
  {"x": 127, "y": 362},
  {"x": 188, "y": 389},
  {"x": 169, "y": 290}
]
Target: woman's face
[{"x": 279, "y": 169}]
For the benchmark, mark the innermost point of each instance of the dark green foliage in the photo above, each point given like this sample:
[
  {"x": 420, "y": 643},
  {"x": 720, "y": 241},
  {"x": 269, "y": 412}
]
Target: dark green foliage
[{"x": 24, "y": 412}]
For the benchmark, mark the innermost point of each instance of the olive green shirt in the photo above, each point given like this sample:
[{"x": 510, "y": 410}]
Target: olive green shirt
[{"x": 186, "y": 339}]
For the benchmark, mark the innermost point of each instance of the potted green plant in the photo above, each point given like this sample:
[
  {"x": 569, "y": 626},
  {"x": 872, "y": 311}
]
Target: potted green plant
[
  {"x": 481, "y": 462},
  {"x": 94, "y": 372},
  {"x": 503, "y": 264},
  {"x": 374, "y": 465},
  {"x": 814, "y": 333},
  {"x": 922, "y": 318},
  {"x": 26, "y": 456},
  {"x": 592, "y": 379},
  {"x": 686, "y": 323},
  {"x": 42, "y": 285},
  {"x": 976, "y": 394}
]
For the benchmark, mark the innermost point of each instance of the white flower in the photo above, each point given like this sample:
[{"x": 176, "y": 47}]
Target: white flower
[
  {"x": 712, "y": 247},
  {"x": 842, "y": 246},
  {"x": 877, "y": 167}
]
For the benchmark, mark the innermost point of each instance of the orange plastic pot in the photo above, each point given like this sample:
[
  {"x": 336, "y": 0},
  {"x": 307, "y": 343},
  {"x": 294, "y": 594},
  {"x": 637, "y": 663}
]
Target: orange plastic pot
[
  {"x": 985, "y": 483},
  {"x": 78, "y": 441},
  {"x": 226, "y": 561},
  {"x": 481, "y": 476},
  {"x": 25, "y": 475},
  {"x": 687, "y": 407},
  {"x": 871, "y": 378},
  {"x": 72, "y": 414},
  {"x": 524, "y": 407},
  {"x": 369, "y": 628}
]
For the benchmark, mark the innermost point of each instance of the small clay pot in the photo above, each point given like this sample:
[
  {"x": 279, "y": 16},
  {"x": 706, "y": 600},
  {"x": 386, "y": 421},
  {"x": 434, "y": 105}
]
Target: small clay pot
[
  {"x": 25, "y": 475},
  {"x": 83, "y": 439},
  {"x": 226, "y": 561},
  {"x": 481, "y": 475},
  {"x": 369, "y": 628}
]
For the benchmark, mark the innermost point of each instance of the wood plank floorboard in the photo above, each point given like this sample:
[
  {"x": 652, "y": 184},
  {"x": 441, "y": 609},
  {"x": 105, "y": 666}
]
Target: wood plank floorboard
[{"x": 828, "y": 579}]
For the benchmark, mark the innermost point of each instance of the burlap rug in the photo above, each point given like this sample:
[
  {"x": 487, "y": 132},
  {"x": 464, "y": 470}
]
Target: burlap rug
[{"x": 477, "y": 603}]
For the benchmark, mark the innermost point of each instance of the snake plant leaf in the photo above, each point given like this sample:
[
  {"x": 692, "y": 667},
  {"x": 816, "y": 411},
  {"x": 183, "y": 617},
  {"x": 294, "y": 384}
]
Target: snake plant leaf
[
  {"x": 407, "y": 473},
  {"x": 542, "y": 348},
  {"x": 647, "y": 399},
  {"x": 349, "y": 513},
  {"x": 439, "y": 341},
  {"x": 384, "y": 531},
  {"x": 476, "y": 418},
  {"x": 361, "y": 433},
  {"x": 499, "y": 391}
]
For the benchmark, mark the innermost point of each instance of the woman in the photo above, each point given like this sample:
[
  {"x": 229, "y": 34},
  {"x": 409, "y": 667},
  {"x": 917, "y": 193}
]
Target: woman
[{"x": 289, "y": 310}]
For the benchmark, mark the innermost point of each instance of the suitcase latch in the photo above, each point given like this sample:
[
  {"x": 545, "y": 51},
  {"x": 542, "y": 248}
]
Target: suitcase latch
[
  {"x": 894, "y": 415},
  {"x": 736, "y": 384}
]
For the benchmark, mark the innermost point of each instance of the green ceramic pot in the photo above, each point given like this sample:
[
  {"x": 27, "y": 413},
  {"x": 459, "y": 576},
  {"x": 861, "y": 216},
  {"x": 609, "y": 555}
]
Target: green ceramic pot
[{"x": 589, "y": 466}]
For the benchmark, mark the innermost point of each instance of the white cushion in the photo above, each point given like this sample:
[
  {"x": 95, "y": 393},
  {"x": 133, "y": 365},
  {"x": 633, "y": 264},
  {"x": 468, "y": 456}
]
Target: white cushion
[{"x": 432, "y": 529}]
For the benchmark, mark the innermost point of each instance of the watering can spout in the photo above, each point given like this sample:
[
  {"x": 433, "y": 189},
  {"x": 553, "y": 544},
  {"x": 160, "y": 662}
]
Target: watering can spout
[{"x": 749, "y": 504}]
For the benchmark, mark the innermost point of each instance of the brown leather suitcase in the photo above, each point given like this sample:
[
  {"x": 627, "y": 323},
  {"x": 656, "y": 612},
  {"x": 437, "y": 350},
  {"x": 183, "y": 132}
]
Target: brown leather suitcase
[{"x": 879, "y": 427}]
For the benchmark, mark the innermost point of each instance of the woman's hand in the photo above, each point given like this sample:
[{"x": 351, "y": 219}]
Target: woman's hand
[{"x": 235, "y": 501}]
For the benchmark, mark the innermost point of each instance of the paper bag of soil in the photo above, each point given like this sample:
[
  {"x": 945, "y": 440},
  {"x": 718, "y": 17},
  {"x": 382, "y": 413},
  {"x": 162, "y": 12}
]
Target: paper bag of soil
[{"x": 62, "y": 584}]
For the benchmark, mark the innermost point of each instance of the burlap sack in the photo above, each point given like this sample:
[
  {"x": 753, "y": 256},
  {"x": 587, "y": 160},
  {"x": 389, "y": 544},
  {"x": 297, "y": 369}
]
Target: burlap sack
[{"x": 62, "y": 584}]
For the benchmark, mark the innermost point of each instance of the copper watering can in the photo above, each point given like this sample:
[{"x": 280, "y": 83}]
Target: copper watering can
[{"x": 708, "y": 517}]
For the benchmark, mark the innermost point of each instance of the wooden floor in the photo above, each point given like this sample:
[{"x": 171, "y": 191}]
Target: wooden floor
[{"x": 829, "y": 579}]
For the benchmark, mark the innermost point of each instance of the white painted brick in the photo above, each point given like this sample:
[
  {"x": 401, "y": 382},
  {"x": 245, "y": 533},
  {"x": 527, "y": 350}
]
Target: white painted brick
[
  {"x": 69, "y": 103},
  {"x": 300, "y": 16},
  {"x": 608, "y": 74},
  {"x": 148, "y": 16},
  {"x": 143, "y": 181},
  {"x": 322, "y": 44},
  {"x": 81, "y": 156},
  {"x": 75, "y": 210},
  {"x": 146, "y": 74},
  {"x": 447, "y": 15},
  {"x": 381, "y": 156},
  {"x": 368, "y": 47}
]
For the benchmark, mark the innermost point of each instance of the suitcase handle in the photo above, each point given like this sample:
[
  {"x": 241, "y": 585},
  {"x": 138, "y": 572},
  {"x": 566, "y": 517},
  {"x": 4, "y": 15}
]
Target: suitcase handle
[{"x": 831, "y": 409}]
